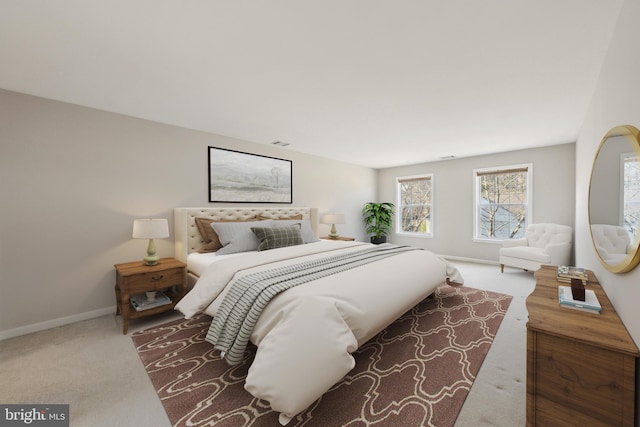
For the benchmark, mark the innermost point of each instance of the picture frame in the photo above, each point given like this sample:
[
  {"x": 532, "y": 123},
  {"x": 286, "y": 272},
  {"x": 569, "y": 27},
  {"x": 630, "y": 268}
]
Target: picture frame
[{"x": 238, "y": 177}]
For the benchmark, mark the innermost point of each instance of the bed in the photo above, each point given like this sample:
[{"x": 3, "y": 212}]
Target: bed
[{"x": 336, "y": 295}]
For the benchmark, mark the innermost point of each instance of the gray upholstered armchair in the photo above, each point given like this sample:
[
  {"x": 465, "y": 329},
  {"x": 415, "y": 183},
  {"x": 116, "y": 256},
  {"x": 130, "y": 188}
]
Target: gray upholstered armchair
[{"x": 543, "y": 244}]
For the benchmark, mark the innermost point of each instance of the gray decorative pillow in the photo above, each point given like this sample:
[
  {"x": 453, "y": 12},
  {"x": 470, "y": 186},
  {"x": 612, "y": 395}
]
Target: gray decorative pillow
[
  {"x": 237, "y": 236},
  {"x": 305, "y": 228},
  {"x": 209, "y": 235},
  {"x": 278, "y": 237}
]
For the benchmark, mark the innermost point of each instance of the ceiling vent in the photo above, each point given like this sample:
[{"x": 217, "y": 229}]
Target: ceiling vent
[
  {"x": 449, "y": 157},
  {"x": 280, "y": 143}
]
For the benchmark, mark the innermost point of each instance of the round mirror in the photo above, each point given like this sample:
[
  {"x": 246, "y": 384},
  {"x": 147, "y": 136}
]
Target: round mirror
[{"x": 614, "y": 199}]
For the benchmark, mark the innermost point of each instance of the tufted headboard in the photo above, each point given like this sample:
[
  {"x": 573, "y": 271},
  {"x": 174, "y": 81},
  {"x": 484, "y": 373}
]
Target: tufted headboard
[{"x": 187, "y": 236}]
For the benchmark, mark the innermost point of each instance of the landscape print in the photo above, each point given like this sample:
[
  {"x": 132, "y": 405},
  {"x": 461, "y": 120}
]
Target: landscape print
[{"x": 240, "y": 177}]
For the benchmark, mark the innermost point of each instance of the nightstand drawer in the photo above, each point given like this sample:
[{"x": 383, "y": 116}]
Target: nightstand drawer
[{"x": 155, "y": 280}]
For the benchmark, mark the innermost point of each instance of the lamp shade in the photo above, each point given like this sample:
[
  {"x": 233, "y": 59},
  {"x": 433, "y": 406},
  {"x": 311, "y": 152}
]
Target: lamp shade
[
  {"x": 332, "y": 218},
  {"x": 150, "y": 228}
]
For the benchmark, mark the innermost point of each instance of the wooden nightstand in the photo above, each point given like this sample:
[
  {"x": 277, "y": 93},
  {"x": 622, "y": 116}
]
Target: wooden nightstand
[
  {"x": 344, "y": 239},
  {"x": 169, "y": 276}
]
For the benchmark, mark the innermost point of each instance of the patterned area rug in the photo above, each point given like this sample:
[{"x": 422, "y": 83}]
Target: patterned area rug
[{"x": 417, "y": 372}]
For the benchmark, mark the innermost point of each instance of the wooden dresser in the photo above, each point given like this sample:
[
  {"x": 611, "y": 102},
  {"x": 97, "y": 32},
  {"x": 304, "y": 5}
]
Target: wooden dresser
[{"x": 581, "y": 367}]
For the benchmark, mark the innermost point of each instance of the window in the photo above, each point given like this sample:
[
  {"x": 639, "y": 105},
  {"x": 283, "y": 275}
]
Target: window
[
  {"x": 631, "y": 193},
  {"x": 502, "y": 202},
  {"x": 415, "y": 205}
]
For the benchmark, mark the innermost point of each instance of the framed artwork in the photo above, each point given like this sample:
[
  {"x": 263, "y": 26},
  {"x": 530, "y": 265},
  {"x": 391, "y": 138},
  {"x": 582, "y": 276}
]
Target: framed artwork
[{"x": 237, "y": 177}]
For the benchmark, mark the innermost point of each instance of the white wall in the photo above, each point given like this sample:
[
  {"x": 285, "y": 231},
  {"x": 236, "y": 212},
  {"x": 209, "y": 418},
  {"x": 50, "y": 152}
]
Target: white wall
[
  {"x": 72, "y": 181},
  {"x": 453, "y": 181},
  {"x": 615, "y": 102}
]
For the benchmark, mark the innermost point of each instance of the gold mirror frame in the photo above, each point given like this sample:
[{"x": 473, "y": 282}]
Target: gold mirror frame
[{"x": 633, "y": 255}]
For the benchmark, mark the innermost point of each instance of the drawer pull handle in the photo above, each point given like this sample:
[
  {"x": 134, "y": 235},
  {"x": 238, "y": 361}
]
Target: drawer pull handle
[{"x": 160, "y": 277}]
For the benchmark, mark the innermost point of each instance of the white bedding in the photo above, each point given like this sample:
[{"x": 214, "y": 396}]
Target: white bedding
[
  {"x": 198, "y": 262},
  {"x": 306, "y": 335}
]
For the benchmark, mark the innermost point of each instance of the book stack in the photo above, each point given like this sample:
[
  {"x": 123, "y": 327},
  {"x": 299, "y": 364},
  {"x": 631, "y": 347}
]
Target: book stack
[
  {"x": 566, "y": 273},
  {"x": 140, "y": 301},
  {"x": 590, "y": 303}
]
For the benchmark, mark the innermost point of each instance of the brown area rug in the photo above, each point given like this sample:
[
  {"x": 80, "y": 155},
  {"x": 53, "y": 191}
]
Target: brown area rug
[{"x": 417, "y": 372}]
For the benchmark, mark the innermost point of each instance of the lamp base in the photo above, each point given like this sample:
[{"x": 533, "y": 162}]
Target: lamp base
[
  {"x": 152, "y": 258},
  {"x": 333, "y": 233}
]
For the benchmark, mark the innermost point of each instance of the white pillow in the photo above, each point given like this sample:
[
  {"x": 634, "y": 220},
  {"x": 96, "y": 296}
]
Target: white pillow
[
  {"x": 237, "y": 236},
  {"x": 305, "y": 228}
]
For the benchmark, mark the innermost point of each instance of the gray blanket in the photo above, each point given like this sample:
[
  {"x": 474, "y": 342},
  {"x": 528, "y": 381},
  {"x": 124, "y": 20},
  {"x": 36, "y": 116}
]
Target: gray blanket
[{"x": 247, "y": 297}]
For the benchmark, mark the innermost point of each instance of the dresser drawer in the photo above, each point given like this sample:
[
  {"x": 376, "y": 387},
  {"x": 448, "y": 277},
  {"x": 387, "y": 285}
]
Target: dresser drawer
[
  {"x": 579, "y": 375},
  {"x": 154, "y": 280}
]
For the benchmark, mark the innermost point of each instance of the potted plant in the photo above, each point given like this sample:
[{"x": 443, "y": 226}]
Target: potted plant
[{"x": 378, "y": 218}]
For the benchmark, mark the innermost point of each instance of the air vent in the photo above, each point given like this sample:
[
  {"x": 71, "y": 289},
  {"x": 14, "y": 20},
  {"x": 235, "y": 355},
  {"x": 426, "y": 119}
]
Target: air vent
[
  {"x": 280, "y": 143},
  {"x": 449, "y": 157}
]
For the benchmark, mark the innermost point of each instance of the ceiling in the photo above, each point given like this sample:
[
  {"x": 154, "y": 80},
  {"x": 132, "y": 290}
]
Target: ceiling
[{"x": 371, "y": 82}]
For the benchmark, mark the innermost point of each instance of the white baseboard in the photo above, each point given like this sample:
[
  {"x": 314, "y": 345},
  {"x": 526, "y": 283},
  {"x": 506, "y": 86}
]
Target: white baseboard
[
  {"x": 54, "y": 323},
  {"x": 473, "y": 260}
]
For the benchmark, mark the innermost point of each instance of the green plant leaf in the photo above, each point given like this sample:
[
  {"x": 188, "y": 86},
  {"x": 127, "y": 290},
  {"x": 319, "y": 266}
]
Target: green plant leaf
[{"x": 378, "y": 218}]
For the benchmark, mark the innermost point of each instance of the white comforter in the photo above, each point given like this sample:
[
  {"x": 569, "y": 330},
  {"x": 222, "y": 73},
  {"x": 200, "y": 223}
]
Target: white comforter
[{"x": 306, "y": 335}]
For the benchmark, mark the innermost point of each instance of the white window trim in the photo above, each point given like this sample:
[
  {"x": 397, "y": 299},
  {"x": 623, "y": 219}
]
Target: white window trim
[
  {"x": 623, "y": 156},
  {"x": 529, "y": 167},
  {"x": 398, "y": 218}
]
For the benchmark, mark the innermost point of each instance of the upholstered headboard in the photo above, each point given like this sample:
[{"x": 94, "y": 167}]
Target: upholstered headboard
[{"x": 187, "y": 236}]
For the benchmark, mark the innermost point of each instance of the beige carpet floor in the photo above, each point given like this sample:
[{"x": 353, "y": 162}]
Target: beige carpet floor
[{"x": 96, "y": 369}]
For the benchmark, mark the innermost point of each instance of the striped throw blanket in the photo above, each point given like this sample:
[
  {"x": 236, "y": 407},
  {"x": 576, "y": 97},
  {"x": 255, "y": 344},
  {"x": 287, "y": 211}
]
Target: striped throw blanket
[{"x": 248, "y": 296}]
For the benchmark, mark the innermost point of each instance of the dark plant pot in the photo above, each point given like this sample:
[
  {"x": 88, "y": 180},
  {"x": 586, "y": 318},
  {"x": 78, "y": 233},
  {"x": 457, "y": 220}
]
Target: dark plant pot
[{"x": 377, "y": 240}]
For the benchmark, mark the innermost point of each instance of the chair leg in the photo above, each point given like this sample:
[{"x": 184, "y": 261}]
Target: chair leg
[{"x": 501, "y": 268}]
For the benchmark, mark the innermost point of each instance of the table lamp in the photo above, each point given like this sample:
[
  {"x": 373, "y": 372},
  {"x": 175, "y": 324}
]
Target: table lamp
[
  {"x": 333, "y": 219},
  {"x": 150, "y": 229}
]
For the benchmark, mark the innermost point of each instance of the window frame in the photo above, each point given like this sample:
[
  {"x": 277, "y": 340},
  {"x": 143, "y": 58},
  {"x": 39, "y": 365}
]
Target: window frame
[
  {"x": 624, "y": 159},
  {"x": 399, "y": 205},
  {"x": 476, "y": 196}
]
